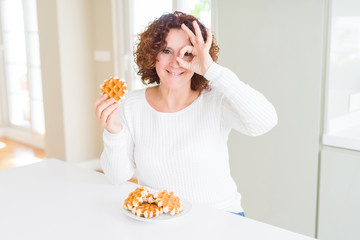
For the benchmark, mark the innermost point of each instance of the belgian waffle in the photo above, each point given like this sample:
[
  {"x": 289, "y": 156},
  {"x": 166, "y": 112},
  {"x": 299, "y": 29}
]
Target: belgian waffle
[
  {"x": 168, "y": 201},
  {"x": 144, "y": 204},
  {"x": 147, "y": 210},
  {"x": 115, "y": 88},
  {"x": 136, "y": 197},
  {"x": 149, "y": 198}
]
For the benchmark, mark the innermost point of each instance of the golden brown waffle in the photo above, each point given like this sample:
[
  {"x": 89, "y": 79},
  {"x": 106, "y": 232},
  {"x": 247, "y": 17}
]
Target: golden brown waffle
[
  {"x": 114, "y": 88},
  {"x": 147, "y": 210},
  {"x": 144, "y": 204},
  {"x": 149, "y": 198},
  {"x": 168, "y": 201},
  {"x": 136, "y": 197}
]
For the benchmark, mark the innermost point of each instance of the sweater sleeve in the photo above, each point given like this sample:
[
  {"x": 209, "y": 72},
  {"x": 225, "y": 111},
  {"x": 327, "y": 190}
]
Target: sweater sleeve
[
  {"x": 243, "y": 108},
  {"x": 117, "y": 159}
]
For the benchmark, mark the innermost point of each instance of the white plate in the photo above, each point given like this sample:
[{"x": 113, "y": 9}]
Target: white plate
[{"x": 163, "y": 217}]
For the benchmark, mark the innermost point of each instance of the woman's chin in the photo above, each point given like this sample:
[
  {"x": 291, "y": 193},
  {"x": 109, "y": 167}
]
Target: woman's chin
[{"x": 176, "y": 84}]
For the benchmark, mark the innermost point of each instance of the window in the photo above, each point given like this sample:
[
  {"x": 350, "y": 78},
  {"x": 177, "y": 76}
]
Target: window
[
  {"x": 343, "y": 76},
  {"x": 141, "y": 13},
  {"x": 21, "y": 65}
]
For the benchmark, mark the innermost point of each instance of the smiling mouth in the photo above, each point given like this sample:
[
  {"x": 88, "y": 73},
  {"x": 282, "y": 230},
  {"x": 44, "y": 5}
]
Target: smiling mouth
[{"x": 175, "y": 74}]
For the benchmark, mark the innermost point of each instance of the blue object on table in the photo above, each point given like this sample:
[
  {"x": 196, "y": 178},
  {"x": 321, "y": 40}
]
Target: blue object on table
[{"x": 239, "y": 213}]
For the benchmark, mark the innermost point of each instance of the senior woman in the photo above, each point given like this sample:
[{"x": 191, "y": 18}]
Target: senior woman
[{"x": 174, "y": 134}]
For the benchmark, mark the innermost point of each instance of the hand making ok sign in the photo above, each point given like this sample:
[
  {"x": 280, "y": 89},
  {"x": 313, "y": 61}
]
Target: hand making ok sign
[{"x": 201, "y": 60}]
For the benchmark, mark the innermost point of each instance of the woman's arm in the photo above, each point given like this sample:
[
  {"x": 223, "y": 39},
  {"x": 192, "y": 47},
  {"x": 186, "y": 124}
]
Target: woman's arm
[
  {"x": 243, "y": 108},
  {"x": 117, "y": 159}
]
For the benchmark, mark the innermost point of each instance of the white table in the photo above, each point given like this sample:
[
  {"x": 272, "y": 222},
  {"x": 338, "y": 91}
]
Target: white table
[{"x": 56, "y": 200}]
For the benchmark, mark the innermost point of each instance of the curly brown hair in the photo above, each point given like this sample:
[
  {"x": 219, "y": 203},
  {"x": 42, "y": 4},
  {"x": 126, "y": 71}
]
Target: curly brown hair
[{"x": 153, "y": 40}]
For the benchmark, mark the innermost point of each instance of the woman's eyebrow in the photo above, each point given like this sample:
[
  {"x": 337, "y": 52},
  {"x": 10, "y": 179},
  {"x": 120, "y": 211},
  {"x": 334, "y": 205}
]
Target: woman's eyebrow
[{"x": 170, "y": 48}]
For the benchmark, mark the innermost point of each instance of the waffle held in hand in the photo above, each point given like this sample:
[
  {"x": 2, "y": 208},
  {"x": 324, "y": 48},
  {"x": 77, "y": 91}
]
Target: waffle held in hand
[{"x": 115, "y": 88}]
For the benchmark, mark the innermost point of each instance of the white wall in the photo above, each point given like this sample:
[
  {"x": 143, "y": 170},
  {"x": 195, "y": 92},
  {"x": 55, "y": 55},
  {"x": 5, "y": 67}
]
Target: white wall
[
  {"x": 70, "y": 79},
  {"x": 51, "y": 77},
  {"x": 276, "y": 47},
  {"x": 102, "y": 37},
  {"x": 75, "y": 41}
]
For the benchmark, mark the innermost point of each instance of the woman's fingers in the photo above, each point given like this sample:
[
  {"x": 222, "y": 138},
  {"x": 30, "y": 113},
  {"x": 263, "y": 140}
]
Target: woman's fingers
[
  {"x": 186, "y": 49},
  {"x": 184, "y": 63},
  {"x": 199, "y": 36},
  {"x": 209, "y": 39},
  {"x": 100, "y": 100},
  {"x": 107, "y": 113},
  {"x": 194, "y": 36},
  {"x": 180, "y": 59},
  {"x": 200, "y": 50},
  {"x": 187, "y": 30},
  {"x": 113, "y": 114},
  {"x": 190, "y": 33},
  {"x": 101, "y": 106}
]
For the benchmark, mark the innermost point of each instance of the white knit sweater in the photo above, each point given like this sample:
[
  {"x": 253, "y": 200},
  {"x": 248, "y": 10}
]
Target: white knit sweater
[{"x": 186, "y": 152}]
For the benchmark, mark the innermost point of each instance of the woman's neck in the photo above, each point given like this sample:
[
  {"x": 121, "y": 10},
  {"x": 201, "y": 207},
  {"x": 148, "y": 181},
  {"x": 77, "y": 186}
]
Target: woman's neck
[{"x": 173, "y": 100}]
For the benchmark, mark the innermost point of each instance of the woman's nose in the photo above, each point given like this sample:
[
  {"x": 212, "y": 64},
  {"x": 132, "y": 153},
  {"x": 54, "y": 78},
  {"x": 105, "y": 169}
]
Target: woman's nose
[{"x": 173, "y": 61}]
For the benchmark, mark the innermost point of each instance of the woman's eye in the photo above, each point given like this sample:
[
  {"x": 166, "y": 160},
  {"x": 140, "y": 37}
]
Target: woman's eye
[
  {"x": 188, "y": 54},
  {"x": 166, "y": 51}
]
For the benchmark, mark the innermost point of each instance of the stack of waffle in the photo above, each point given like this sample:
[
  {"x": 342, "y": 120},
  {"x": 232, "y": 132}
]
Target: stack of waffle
[{"x": 144, "y": 204}]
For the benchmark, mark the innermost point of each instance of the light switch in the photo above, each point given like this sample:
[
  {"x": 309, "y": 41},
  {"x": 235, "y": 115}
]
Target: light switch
[{"x": 102, "y": 56}]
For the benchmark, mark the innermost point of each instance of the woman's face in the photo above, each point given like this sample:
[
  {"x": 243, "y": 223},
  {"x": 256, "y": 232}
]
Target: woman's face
[{"x": 171, "y": 74}]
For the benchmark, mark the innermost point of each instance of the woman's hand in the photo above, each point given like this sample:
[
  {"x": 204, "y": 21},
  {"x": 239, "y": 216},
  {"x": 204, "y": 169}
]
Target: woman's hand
[
  {"x": 106, "y": 112},
  {"x": 200, "y": 50}
]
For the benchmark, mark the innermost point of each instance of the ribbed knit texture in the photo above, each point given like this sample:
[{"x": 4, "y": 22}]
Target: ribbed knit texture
[{"x": 186, "y": 152}]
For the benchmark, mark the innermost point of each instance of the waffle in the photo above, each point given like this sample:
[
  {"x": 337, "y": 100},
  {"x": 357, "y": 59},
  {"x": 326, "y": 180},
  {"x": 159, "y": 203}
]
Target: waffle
[
  {"x": 144, "y": 204},
  {"x": 168, "y": 201},
  {"x": 114, "y": 88},
  {"x": 149, "y": 198},
  {"x": 136, "y": 197},
  {"x": 147, "y": 210}
]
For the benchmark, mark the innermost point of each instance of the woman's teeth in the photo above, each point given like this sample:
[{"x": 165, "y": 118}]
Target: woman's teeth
[{"x": 175, "y": 74}]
